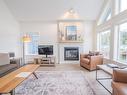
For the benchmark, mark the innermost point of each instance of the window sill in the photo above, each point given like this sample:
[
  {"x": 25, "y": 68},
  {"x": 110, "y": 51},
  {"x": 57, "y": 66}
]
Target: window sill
[{"x": 124, "y": 63}]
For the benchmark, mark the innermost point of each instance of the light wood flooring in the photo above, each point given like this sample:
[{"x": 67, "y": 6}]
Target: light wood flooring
[{"x": 91, "y": 76}]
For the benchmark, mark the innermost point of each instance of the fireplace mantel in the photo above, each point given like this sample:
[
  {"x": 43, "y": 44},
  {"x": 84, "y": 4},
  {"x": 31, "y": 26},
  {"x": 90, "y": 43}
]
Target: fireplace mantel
[{"x": 70, "y": 41}]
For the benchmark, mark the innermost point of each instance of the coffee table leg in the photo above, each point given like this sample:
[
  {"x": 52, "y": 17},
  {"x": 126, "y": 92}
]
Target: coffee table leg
[
  {"x": 35, "y": 75},
  {"x": 12, "y": 92},
  {"x": 96, "y": 72}
]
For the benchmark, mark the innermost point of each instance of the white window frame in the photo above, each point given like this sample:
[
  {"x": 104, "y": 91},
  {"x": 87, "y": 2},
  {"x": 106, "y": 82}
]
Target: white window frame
[
  {"x": 118, "y": 45},
  {"x": 119, "y": 6},
  {"x": 99, "y": 41}
]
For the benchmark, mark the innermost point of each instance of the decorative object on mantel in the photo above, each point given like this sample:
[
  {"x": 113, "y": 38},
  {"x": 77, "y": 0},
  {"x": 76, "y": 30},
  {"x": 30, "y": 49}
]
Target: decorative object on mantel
[{"x": 70, "y": 28}]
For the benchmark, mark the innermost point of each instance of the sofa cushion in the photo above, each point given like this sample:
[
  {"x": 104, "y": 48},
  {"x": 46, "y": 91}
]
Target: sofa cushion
[
  {"x": 119, "y": 88},
  {"x": 4, "y": 59},
  {"x": 7, "y": 67}
]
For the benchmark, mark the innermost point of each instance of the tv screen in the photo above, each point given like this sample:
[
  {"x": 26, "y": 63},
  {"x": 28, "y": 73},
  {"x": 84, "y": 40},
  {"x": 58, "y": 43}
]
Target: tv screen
[{"x": 45, "y": 50}]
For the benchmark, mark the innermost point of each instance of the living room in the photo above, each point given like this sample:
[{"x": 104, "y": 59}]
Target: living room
[{"x": 66, "y": 42}]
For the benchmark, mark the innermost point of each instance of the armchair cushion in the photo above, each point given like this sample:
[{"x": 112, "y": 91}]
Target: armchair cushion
[
  {"x": 120, "y": 75},
  {"x": 119, "y": 88}
]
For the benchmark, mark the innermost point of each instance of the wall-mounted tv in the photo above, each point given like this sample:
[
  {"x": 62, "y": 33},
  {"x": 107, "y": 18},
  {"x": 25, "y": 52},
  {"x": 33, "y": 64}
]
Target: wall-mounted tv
[{"x": 45, "y": 50}]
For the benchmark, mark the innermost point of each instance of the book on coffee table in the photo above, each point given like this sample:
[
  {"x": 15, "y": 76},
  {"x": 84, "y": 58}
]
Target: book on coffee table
[
  {"x": 23, "y": 74},
  {"x": 112, "y": 65},
  {"x": 122, "y": 67}
]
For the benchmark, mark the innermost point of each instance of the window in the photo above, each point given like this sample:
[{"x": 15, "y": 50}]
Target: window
[
  {"x": 104, "y": 43},
  {"x": 122, "y": 50},
  {"x": 31, "y": 46},
  {"x": 106, "y": 13},
  {"x": 108, "y": 16},
  {"x": 123, "y": 5},
  {"x": 105, "y": 16}
]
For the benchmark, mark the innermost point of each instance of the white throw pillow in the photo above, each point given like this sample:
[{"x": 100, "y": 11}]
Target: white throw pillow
[{"x": 4, "y": 59}]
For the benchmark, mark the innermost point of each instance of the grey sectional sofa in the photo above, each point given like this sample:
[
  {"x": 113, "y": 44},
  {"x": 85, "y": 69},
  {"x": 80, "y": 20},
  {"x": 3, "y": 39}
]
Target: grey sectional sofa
[{"x": 7, "y": 65}]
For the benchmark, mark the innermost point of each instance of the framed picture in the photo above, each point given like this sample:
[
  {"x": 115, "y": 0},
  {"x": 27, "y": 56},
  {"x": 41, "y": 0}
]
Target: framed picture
[{"x": 71, "y": 32}]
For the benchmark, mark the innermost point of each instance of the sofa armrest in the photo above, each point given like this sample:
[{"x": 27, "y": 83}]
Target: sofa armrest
[
  {"x": 15, "y": 61},
  {"x": 120, "y": 75}
]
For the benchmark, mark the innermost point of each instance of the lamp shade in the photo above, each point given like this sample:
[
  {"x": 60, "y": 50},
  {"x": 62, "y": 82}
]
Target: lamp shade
[{"x": 26, "y": 38}]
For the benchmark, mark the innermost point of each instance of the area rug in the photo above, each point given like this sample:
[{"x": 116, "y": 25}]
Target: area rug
[{"x": 56, "y": 83}]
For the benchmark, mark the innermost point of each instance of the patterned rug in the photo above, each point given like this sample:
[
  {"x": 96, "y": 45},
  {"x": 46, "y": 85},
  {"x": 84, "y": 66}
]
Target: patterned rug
[{"x": 56, "y": 83}]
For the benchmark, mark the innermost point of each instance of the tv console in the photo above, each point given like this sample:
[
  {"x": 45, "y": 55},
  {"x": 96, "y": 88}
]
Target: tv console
[{"x": 47, "y": 61}]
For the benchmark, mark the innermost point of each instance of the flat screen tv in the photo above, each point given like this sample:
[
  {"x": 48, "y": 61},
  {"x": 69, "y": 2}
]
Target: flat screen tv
[{"x": 45, "y": 50}]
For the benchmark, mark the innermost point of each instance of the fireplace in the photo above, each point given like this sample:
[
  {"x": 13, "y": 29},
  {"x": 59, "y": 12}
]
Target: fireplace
[{"x": 71, "y": 53}]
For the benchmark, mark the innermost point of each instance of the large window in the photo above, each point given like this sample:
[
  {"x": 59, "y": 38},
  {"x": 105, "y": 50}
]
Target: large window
[
  {"x": 31, "y": 46},
  {"x": 123, "y": 5},
  {"x": 122, "y": 50},
  {"x": 104, "y": 43}
]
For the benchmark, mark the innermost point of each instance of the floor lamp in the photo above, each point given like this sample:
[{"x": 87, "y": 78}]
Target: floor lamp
[{"x": 26, "y": 39}]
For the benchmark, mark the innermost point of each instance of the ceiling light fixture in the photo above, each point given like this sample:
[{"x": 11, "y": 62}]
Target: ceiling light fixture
[{"x": 71, "y": 14}]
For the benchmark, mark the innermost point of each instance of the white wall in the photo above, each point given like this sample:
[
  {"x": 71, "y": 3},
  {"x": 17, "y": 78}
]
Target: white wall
[
  {"x": 88, "y": 34},
  {"x": 48, "y": 33},
  {"x": 9, "y": 31}
]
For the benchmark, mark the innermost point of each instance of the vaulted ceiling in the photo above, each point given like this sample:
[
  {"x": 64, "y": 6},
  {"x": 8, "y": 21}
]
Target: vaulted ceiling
[{"x": 36, "y": 10}]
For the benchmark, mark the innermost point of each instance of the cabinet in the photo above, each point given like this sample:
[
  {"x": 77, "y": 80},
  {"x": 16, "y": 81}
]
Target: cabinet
[{"x": 45, "y": 61}]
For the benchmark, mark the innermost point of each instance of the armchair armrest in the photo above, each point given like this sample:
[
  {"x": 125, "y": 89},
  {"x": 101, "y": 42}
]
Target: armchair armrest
[
  {"x": 97, "y": 59},
  {"x": 120, "y": 75},
  {"x": 83, "y": 55}
]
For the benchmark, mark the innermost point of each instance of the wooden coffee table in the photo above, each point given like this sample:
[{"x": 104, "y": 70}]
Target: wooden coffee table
[{"x": 9, "y": 82}]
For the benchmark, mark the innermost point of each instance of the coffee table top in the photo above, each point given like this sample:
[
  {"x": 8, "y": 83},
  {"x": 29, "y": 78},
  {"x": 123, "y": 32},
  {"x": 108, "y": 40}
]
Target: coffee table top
[
  {"x": 106, "y": 69},
  {"x": 11, "y": 80}
]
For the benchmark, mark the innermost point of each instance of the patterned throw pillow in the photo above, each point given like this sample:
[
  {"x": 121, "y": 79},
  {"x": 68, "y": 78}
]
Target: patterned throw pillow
[{"x": 91, "y": 53}]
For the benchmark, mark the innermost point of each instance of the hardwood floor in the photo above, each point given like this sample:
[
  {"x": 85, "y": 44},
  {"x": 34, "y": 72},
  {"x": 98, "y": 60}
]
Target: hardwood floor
[{"x": 99, "y": 90}]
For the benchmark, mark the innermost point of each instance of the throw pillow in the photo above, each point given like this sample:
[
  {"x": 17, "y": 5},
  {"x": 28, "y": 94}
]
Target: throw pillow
[{"x": 91, "y": 53}]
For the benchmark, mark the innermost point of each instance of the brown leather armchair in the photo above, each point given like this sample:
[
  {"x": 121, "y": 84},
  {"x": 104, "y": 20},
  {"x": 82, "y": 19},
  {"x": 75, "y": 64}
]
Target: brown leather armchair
[
  {"x": 119, "y": 83},
  {"x": 90, "y": 62}
]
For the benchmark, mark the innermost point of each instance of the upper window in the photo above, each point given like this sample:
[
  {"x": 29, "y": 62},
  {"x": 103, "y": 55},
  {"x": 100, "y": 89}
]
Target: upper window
[
  {"x": 106, "y": 13},
  {"x": 107, "y": 16},
  {"x": 104, "y": 43},
  {"x": 122, "y": 50},
  {"x": 123, "y": 5}
]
